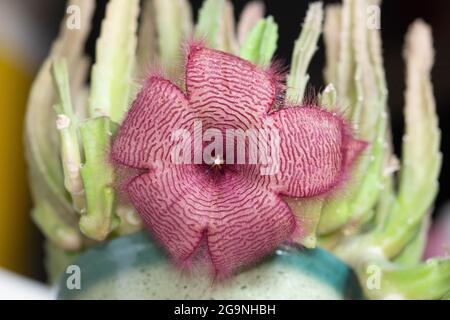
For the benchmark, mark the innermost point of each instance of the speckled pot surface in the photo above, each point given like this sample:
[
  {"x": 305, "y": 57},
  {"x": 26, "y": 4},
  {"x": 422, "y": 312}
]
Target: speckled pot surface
[{"x": 133, "y": 267}]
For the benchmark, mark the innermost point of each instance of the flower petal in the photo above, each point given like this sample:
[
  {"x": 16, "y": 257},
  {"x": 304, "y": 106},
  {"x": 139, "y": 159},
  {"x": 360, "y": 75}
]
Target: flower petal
[
  {"x": 252, "y": 224},
  {"x": 167, "y": 202},
  {"x": 238, "y": 221},
  {"x": 145, "y": 137},
  {"x": 315, "y": 151},
  {"x": 226, "y": 91}
]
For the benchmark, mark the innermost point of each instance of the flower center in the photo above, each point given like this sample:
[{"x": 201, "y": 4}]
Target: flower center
[
  {"x": 218, "y": 162},
  {"x": 217, "y": 165}
]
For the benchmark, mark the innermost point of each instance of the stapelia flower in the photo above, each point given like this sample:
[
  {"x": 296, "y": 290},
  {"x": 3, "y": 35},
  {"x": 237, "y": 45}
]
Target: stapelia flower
[{"x": 234, "y": 211}]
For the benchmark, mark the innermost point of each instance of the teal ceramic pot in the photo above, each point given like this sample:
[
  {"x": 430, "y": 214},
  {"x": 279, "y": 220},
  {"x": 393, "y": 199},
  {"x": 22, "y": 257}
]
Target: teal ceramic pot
[{"x": 133, "y": 267}]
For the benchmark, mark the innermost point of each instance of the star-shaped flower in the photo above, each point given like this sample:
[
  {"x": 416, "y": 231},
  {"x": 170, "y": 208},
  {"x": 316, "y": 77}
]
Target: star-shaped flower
[{"x": 230, "y": 207}]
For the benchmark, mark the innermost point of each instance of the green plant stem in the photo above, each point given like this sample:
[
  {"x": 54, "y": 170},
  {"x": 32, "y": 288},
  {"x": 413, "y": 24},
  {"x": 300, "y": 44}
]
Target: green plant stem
[
  {"x": 55, "y": 227},
  {"x": 304, "y": 49},
  {"x": 67, "y": 125},
  {"x": 98, "y": 177},
  {"x": 261, "y": 43},
  {"x": 112, "y": 73},
  {"x": 174, "y": 25}
]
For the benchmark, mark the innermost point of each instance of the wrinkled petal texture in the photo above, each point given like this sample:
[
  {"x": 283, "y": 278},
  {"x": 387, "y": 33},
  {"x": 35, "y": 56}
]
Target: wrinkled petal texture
[
  {"x": 237, "y": 220},
  {"x": 227, "y": 92},
  {"x": 238, "y": 215},
  {"x": 316, "y": 150},
  {"x": 145, "y": 138}
]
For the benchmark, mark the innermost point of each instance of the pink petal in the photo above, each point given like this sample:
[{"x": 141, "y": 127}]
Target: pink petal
[
  {"x": 438, "y": 242},
  {"x": 237, "y": 220},
  {"x": 226, "y": 91},
  {"x": 145, "y": 137},
  {"x": 316, "y": 150}
]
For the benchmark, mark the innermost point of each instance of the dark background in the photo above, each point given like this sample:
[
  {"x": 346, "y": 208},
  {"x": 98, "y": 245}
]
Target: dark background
[{"x": 395, "y": 19}]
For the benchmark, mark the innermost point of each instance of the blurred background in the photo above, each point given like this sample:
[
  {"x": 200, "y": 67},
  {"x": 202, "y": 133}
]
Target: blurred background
[{"x": 27, "y": 28}]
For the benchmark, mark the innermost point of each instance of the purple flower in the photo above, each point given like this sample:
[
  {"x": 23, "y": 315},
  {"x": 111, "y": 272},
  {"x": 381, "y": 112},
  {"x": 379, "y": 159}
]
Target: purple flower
[{"x": 224, "y": 208}]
